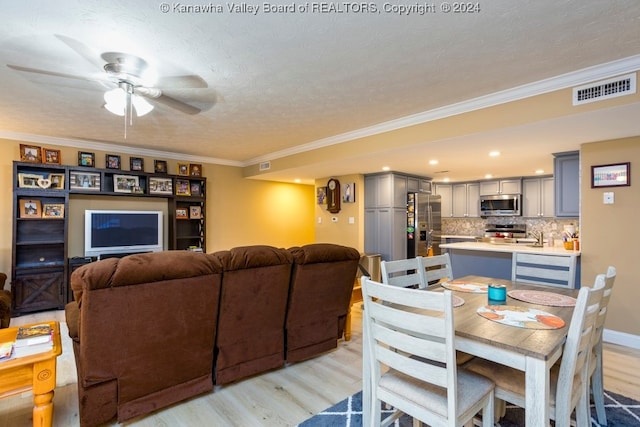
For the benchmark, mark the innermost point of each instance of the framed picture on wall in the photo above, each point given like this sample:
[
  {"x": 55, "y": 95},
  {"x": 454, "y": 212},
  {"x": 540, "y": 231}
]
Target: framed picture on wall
[
  {"x": 136, "y": 164},
  {"x": 112, "y": 161},
  {"x": 614, "y": 175},
  {"x": 30, "y": 153},
  {"x": 321, "y": 195},
  {"x": 84, "y": 181},
  {"x": 349, "y": 192},
  {"x": 86, "y": 159},
  {"x": 51, "y": 157},
  {"x": 160, "y": 166}
]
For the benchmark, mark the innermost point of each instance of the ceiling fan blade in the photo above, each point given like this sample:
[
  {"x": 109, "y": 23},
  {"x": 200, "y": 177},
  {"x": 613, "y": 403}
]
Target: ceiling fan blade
[
  {"x": 182, "y": 82},
  {"x": 51, "y": 73},
  {"x": 158, "y": 96},
  {"x": 82, "y": 50}
]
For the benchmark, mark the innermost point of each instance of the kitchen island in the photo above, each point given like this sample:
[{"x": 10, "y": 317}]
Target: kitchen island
[{"x": 494, "y": 260}]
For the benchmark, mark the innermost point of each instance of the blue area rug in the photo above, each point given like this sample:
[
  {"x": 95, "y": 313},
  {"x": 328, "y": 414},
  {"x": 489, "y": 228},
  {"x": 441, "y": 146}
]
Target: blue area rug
[{"x": 621, "y": 412}]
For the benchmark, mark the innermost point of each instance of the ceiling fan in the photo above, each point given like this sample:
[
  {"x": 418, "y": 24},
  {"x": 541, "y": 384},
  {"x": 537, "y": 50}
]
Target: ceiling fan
[{"x": 131, "y": 87}]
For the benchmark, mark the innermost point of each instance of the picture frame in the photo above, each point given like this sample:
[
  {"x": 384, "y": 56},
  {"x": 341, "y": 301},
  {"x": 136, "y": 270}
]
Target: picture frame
[
  {"x": 86, "y": 159},
  {"x": 348, "y": 192},
  {"x": 183, "y": 169},
  {"x": 159, "y": 185},
  {"x": 126, "y": 184},
  {"x": 29, "y": 180},
  {"x": 30, "y": 208},
  {"x": 321, "y": 195},
  {"x": 86, "y": 181},
  {"x": 195, "y": 212},
  {"x": 53, "y": 210},
  {"x": 160, "y": 166},
  {"x": 182, "y": 187},
  {"x": 51, "y": 156},
  {"x": 30, "y": 153},
  {"x": 136, "y": 164},
  {"x": 611, "y": 175},
  {"x": 112, "y": 161},
  {"x": 181, "y": 213},
  {"x": 57, "y": 181},
  {"x": 196, "y": 189},
  {"x": 195, "y": 169}
]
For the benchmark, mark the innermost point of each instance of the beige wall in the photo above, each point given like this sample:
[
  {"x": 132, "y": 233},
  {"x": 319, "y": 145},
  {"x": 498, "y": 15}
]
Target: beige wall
[
  {"x": 239, "y": 211},
  {"x": 610, "y": 233}
]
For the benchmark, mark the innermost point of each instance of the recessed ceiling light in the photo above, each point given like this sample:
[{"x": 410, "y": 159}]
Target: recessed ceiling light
[
  {"x": 385, "y": 168},
  {"x": 433, "y": 162},
  {"x": 297, "y": 181},
  {"x": 494, "y": 153},
  {"x": 446, "y": 180},
  {"x": 539, "y": 172},
  {"x": 488, "y": 176}
]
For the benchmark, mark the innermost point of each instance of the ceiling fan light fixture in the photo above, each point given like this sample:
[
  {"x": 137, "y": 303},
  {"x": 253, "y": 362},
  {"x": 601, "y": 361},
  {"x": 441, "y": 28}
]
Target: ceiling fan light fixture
[{"x": 116, "y": 102}]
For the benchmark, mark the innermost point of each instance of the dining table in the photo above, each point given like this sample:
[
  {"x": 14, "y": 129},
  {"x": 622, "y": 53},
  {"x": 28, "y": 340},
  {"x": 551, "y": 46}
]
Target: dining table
[{"x": 533, "y": 351}]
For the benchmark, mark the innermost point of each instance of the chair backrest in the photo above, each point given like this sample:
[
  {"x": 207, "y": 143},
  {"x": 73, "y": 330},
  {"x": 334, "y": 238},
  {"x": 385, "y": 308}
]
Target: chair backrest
[
  {"x": 419, "y": 345},
  {"x": 437, "y": 268},
  {"x": 552, "y": 270},
  {"x": 574, "y": 367},
  {"x": 405, "y": 273},
  {"x": 607, "y": 285}
]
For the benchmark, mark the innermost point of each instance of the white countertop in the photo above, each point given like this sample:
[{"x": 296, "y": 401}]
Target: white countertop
[
  {"x": 456, "y": 236},
  {"x": 489, "y": 247}
]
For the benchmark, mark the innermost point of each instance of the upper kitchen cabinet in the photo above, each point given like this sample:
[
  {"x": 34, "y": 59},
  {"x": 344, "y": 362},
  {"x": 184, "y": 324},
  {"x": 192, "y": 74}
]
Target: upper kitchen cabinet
[
  {"x": 466, "y": 200},
  {"x": 446, "y": 199},
  {"x": 538, "y": 197},
  {"x": 504, "y": 186},
  {"x": 385, "y": 191},
  {"x": 418, "y": 185},
  {"x": 567, "y": 184}
]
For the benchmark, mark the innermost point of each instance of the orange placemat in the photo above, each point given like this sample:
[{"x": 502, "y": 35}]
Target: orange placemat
[
  {"x": 463, "y": 286},
  {"x": 457, "y": 301},
  {"x": 542, "y": 298},
  {"x": 521, "y": 317}
]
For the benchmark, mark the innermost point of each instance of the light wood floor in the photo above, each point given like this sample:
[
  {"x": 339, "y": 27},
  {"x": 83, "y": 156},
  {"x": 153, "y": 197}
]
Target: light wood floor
[{"x": 284, "y": 397}]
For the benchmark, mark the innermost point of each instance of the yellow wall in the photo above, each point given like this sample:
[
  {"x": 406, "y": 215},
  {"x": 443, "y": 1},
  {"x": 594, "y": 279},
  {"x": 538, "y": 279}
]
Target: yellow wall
[
  {"x": 609, "y": 233},
  {"x": 239, "y": 211}
]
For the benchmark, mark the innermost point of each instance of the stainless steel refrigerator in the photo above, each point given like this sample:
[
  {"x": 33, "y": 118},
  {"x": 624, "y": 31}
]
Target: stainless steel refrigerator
[{"x": 424, "y": 224}]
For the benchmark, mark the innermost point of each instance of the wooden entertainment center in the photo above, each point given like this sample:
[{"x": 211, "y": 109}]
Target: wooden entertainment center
[{"x": 42, "y": 194}]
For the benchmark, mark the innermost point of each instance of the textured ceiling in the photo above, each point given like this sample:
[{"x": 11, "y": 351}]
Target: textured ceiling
[{"x": 276, "y": 81}]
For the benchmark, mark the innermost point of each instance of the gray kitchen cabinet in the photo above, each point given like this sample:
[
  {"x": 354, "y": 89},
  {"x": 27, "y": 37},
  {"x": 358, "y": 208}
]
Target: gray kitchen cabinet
[
  {"x": 538, "y": 197},
  {"x": 385, "y": 190},
  {"x": 466, "y": 200},
  {"x": 567, "y": 184},
  {"x": 418, "y": 185},
  {"x": 502, "y": 186},
  {"x": 386, "y": 233},
  {"x": 446, "y": 199}
]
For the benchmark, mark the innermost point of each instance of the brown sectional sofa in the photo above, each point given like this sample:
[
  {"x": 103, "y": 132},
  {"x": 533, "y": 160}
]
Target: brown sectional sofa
[{"x": 150, "y": 330}]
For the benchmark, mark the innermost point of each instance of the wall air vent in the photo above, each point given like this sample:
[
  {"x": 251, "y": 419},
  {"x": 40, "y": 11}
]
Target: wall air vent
[
  {"x": 605, "y": 89},
  {"x": 265, "y": 166}
]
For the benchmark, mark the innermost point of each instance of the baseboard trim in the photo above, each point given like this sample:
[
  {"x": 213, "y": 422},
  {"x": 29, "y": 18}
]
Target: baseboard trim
[{"x": 621, "y": 338}]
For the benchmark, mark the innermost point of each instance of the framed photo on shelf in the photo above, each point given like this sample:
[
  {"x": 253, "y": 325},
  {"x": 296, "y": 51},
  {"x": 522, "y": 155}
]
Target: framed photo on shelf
[
  {"x": 196, "y": 189},
  {"x": 160, "y": 166},
  {"x": 160, "y": 185},
  {"x": 182, "y": 187},
  {"x": 136, "y": 164},
  {"x": 30, "y": 208},
  {"x": 183, "y": 169},
  {"x": 30, "y": 153},
  {"x": 29, "y": 180},
  {"x": 614, "y": 175},
  {"x": 181, "y": 213},
  {"x": 84, "y": 181},
  {"x": 112, "y": 161},
  {"x": 57, "y": 181},
  {"x": 195, "y": 212},
  {"x": 51, "y": 157},
  {"x": 126, "y": 184},
  {"x": 195, "y": 169},
  {"x": 86, "y": 159},
  {"x": 53, "y": 210}
]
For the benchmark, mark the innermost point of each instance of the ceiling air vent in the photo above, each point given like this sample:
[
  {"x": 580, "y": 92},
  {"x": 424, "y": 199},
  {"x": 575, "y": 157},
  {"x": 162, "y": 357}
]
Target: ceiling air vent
[
  {"x": 605, "y": 89},
  {"x": 265, "y": 166}
]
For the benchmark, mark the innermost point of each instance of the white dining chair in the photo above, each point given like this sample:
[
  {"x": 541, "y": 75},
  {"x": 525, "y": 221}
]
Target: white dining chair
[
  {"x": 409, "y": 349},
  {"x": 543, "y": 269},
  {"x": 595, "y": 364},
  {"x": 569, "y": 379},
  {"x": 437, "y": 268},
  {"x": 404, "y": 273}
]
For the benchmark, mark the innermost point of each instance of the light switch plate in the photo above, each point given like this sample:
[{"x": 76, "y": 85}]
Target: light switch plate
[
  {"x": 608, "y": 198},
  {"x": 334, "y": 219},
  {"x": 352, "y": 220}
]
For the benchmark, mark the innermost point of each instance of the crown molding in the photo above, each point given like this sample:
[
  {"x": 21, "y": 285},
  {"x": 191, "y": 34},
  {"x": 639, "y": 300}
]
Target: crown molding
[
  {"x": 563, "y": 81},
  {"x": 104, "y": 146}
]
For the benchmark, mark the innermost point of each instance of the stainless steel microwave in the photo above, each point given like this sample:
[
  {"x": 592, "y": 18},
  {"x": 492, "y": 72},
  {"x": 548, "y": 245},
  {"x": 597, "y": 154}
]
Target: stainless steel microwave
[{"x": 501, "y": 205}]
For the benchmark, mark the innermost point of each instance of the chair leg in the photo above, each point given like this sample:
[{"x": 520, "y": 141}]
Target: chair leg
[{"x": 488, "y": 412}]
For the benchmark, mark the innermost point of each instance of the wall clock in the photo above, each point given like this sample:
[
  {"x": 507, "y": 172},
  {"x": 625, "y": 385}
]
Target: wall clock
[{"x": 333, "y": 195}]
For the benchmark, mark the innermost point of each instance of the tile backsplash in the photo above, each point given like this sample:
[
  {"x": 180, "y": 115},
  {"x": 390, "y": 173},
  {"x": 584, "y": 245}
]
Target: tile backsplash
[{"x": 551, "y": 227}]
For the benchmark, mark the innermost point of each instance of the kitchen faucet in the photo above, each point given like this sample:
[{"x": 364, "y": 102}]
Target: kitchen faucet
[{"x": 538, "y": 235}]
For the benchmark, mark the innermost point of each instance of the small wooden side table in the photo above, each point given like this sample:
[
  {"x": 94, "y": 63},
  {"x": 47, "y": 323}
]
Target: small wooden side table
[
  {"x": 356, "y": 296},
  {"x": 36, "y": 372}
]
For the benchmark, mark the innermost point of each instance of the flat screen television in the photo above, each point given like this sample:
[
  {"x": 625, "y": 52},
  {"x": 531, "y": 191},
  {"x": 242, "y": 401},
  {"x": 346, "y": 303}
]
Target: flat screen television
[{"x": 109, "y": 232}]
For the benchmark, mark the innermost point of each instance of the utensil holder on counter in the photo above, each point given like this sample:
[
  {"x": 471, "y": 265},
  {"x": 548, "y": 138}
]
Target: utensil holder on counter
[{"x": 568, "y": 245}]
